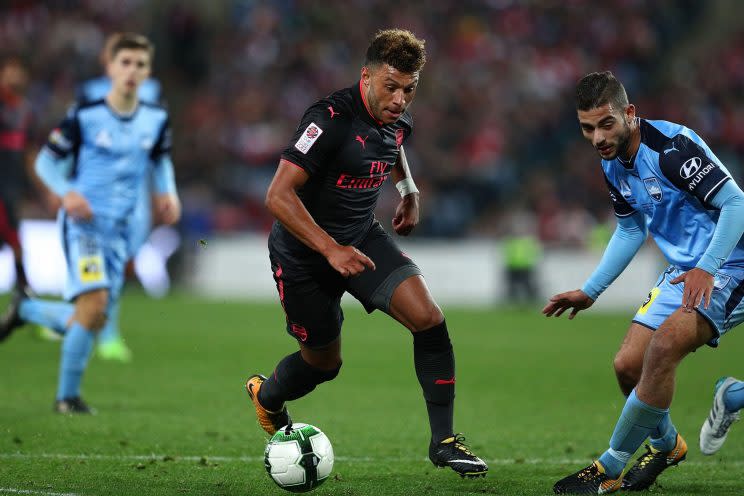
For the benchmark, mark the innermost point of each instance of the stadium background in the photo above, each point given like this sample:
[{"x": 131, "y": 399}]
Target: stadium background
[
  {"x": 495, "y": 142},
  {"x": 496, "y": 153}
]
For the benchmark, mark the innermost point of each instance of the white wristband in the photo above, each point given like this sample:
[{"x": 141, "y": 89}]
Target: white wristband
[{"x": 406, "y": 187}]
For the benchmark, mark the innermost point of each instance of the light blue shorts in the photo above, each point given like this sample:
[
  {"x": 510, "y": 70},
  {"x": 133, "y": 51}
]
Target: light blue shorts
[
  {"x": 96, "y": 254},
  {"x": 725, "y": 312}
]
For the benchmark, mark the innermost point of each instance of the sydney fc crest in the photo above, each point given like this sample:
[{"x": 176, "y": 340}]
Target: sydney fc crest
[{"x": 654, "y": 188}]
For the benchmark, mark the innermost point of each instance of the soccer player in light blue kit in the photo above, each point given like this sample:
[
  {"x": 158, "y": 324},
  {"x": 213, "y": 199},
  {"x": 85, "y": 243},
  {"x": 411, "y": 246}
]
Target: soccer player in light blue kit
[
  {"x": 96, "y": 161},
  {"x": 664, "y": 180},
  {"x": 110, "y": 344}
]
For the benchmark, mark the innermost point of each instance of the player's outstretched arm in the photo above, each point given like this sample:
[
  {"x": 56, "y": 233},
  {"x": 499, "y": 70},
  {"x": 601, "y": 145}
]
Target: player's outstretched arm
[
  {"x": 284, "y": 204},
  {"x": 625, "y": 242},
  {"x": 407, "y": 212},
  {"x": 577, "y": 300}
]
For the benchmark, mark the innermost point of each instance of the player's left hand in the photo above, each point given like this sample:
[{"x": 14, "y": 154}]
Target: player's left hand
[
  {"x": 167, "y": 209},
  {"x": 576, "y": 300},
  {"x": 698, "y": 287},
  {"x": 407, "y": 214}
]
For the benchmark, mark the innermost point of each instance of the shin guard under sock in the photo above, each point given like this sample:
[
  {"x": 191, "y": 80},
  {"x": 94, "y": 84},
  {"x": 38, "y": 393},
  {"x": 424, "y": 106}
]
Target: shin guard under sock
[
  {"x": 293, "y": 378},
  {"x": 76, "y": 350},
  {"x": 435, "y": 369}
]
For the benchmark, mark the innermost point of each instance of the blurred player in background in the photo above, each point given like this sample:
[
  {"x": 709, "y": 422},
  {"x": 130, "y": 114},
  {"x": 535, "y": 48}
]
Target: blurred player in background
[
  {"x": 110, "y": 344},
  {"x": 96, "y": 161},
  {"x": 662, "y": 179},
  {"x": 326, "y": 242},
  {"x": 728, "y": 400},
  {"x": 15, "y": 125}
]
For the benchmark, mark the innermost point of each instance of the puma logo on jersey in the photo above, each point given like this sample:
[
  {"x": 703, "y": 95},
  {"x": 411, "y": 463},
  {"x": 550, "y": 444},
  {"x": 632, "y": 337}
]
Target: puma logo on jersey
[
  {"x": 333, "y": 112},
  {"x": 361, "y": 140},
  {"x": 669, "y": 150}
]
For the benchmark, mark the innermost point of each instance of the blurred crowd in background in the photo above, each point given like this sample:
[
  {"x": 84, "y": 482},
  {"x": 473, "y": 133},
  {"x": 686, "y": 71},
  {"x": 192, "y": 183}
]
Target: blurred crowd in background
[{"x": 496, "y": 149}]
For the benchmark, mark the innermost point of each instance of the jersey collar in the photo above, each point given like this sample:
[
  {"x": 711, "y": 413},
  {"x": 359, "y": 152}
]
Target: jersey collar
[
  {"x": 630, "y": 164},
  {"x": 120, "y": 116}
]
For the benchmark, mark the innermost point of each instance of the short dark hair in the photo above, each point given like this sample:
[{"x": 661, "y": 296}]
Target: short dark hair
[
  {"x": 600, "y": 88},
  {"x": 130, "y": 41},
  {"x": 399, "y": 48}
]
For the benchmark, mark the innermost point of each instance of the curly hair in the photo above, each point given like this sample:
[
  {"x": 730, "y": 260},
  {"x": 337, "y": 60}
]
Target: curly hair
[
  {"x": 600, "y": 88},
  {"x": 399, "y": 48}
]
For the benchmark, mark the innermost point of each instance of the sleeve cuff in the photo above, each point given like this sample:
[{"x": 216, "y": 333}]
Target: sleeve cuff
[
  {"x": 709, "y": 264},
  {"x": 591, "y": 291}
]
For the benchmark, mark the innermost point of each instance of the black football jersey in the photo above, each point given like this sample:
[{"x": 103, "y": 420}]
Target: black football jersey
[{"x": 348, "y": 156}]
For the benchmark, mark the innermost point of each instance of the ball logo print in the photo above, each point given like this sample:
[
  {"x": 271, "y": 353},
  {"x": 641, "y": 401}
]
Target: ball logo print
[
  {"x": 312, "y": 132},
  {"x": 690, "y": 167},
  {"x": 299, "y": 457}
]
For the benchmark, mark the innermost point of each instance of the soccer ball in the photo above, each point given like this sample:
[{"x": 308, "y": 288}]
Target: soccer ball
[{"x": 299, "y": 457}]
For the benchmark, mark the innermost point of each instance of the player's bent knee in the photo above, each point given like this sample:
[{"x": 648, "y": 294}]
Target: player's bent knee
[
  {"x": 91, "y": 320},
  {"x": 627, "y": 369},
  {"x": 329, "y": 375},
  {"x": 429, "y": 317},
  {"x": 662, "y": 352},
  {"x": 90, "y": 310}
]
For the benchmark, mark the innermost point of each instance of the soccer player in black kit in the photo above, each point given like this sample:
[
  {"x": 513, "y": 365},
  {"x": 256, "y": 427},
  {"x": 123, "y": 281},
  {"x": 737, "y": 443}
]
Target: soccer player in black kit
[
  {"x": 326, "y": 241},
  {"x": 15, "y": 129}
]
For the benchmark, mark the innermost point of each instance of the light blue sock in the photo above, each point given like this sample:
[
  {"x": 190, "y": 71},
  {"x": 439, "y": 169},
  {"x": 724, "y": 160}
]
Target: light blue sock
[
  {"x": 110, "y": 331},
  {"x": 636, "y": 422},
  {"x": 664, "y": 437},
  {"x": 733, "y": 398},
  {"x": 52, "y": 314},
  {"x": 76, "y": 350}
]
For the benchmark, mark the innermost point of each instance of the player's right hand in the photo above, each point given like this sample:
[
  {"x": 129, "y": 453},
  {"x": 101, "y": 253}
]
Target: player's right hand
[
  {"x": 77, "y": 206},
  {"x": 349, "y": 261},
  {"x": 577, "y": 300}
]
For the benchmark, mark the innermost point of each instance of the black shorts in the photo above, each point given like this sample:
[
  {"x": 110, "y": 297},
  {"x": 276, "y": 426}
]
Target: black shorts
[{"x": 312, "y": 298}]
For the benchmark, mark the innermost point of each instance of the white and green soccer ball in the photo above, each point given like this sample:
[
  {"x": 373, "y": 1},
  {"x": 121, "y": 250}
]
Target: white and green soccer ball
[{"x": 299, "y": 458}]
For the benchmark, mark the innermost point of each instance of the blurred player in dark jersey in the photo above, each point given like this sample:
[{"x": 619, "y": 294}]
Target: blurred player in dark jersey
[
  {"x": 663, "y": 179},
  {"x": 326, "y": 242},
  {"x": 15, "y": 124}
]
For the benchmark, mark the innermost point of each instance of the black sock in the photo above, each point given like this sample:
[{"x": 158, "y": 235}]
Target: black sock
[
  {"x": 293, "y": 378},
  {"x": 21, "y": 281},
  {"x": 435, "y": 369}
]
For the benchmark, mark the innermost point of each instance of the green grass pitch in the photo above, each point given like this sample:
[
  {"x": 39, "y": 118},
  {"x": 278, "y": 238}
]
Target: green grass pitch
[{"x": 536, "y": 398}]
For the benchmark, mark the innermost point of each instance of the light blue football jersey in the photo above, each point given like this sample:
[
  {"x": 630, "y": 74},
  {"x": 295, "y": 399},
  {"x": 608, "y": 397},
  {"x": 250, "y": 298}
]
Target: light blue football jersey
[
  {"x": 149, "y": 91},
  {"x": 670, "y": 181},
  {"x": 97, "y": 89},
  {"x": 113, "y": 154}
]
